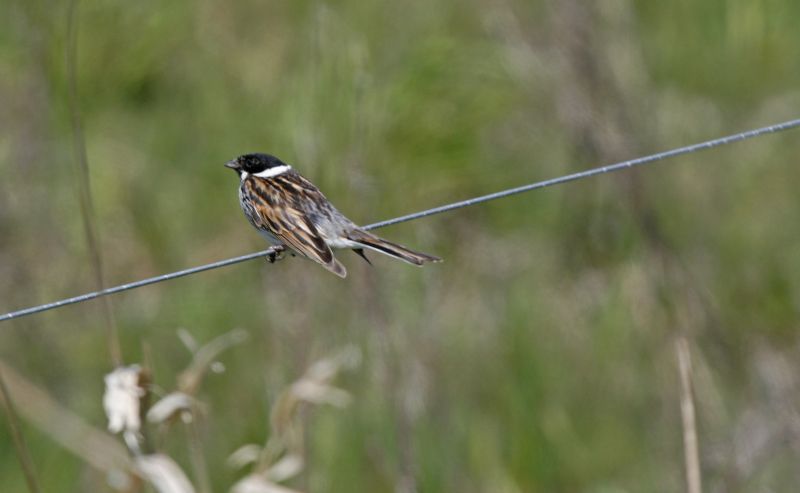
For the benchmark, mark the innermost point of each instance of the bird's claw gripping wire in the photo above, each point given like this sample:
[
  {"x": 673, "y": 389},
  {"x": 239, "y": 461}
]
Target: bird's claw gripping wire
[{"x": 276, "y": 253}]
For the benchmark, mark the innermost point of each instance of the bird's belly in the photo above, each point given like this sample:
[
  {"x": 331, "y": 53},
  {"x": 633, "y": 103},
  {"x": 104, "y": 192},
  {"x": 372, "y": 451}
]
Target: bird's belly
[
  {"x": 341, "y": 243},
  {"x": 269, "y": 237}
]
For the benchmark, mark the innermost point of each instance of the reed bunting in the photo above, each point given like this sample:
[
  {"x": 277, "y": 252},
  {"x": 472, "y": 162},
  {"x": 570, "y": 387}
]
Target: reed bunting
[{"x": 292, "y": 213}]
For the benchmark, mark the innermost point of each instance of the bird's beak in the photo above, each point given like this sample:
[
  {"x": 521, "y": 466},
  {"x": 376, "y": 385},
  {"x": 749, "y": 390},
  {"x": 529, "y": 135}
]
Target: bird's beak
[{"x": 232, "y": 165}]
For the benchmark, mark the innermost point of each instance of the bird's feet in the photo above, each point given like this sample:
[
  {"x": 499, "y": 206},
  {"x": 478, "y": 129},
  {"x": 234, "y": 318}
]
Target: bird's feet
[{"x": 275, "y": 254}]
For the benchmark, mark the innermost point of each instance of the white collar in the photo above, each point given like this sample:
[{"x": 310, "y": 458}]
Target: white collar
[{"x": 274, "y": 171}]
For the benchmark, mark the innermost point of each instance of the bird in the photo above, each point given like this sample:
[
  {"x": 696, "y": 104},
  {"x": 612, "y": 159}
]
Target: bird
[{"x": 293, "y": 215}]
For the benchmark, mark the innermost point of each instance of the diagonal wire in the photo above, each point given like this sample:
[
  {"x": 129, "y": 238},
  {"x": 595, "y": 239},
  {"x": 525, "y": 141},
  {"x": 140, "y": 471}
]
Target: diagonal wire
[{"x": 730, "y": 139}]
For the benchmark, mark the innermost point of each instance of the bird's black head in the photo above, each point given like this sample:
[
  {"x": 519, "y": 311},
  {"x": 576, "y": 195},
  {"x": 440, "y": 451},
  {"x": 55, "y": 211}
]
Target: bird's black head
[{"x": 254, "y": 163}]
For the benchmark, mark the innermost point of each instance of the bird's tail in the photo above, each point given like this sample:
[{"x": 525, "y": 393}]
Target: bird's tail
[
  {"x": 336, "y": 267},
  {"x": 368, "y": 240}
]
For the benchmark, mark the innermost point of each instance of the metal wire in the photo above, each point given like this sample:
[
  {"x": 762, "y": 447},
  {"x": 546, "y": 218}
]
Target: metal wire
[{"x": 428, "y": 212}]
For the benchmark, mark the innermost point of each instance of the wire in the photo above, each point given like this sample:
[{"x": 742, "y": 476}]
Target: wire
[{"x": 730, "y": 139}]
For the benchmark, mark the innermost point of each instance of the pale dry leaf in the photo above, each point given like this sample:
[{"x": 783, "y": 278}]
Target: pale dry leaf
[
  {"x": 188, "y": 340},
  {"x": 313, "y": 388},
  {"x": 95, "y": 446},
  {"x": 170, "y": 406},
  {"x": 121, "y": 480},
  {"x": 244, "y": 455},
  {"x": 256, "y": 483},
  {"x": 204, "y": 357},
  {"x": 318, "y": 393},
  {"x": 288, "y": 467},
  {"x": 325, "y": 369},
  {"x": 163, "y": 473}
]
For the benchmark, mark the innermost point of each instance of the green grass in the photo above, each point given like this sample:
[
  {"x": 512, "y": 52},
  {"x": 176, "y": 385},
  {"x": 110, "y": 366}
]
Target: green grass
[{"x": 539, "y": 356}]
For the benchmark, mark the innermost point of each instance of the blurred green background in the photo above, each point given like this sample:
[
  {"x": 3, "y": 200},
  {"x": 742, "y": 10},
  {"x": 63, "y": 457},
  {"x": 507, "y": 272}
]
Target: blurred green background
[{"x": 540, "y": 356}]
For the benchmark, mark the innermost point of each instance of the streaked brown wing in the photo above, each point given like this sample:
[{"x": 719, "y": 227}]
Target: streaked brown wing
[{"x": 278, "y": 210}]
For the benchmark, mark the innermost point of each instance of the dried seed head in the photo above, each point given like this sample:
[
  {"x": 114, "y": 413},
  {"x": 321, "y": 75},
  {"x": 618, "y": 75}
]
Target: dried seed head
[{"x": 123, "y": 398}]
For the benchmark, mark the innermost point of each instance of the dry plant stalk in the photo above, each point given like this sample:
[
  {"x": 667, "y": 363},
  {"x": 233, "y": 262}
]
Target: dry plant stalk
[
  {"x": 281, "y": 458},
  {"x": 82, "y": 180},
  {"x": 126, "y": 404},
  {"x": 690, "y": 443},
  {"x": 19, "y": 440}
]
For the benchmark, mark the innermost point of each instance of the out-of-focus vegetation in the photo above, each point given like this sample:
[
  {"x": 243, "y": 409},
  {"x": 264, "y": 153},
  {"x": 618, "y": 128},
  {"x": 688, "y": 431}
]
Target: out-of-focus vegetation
[{"x": 540, "y": 355}]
